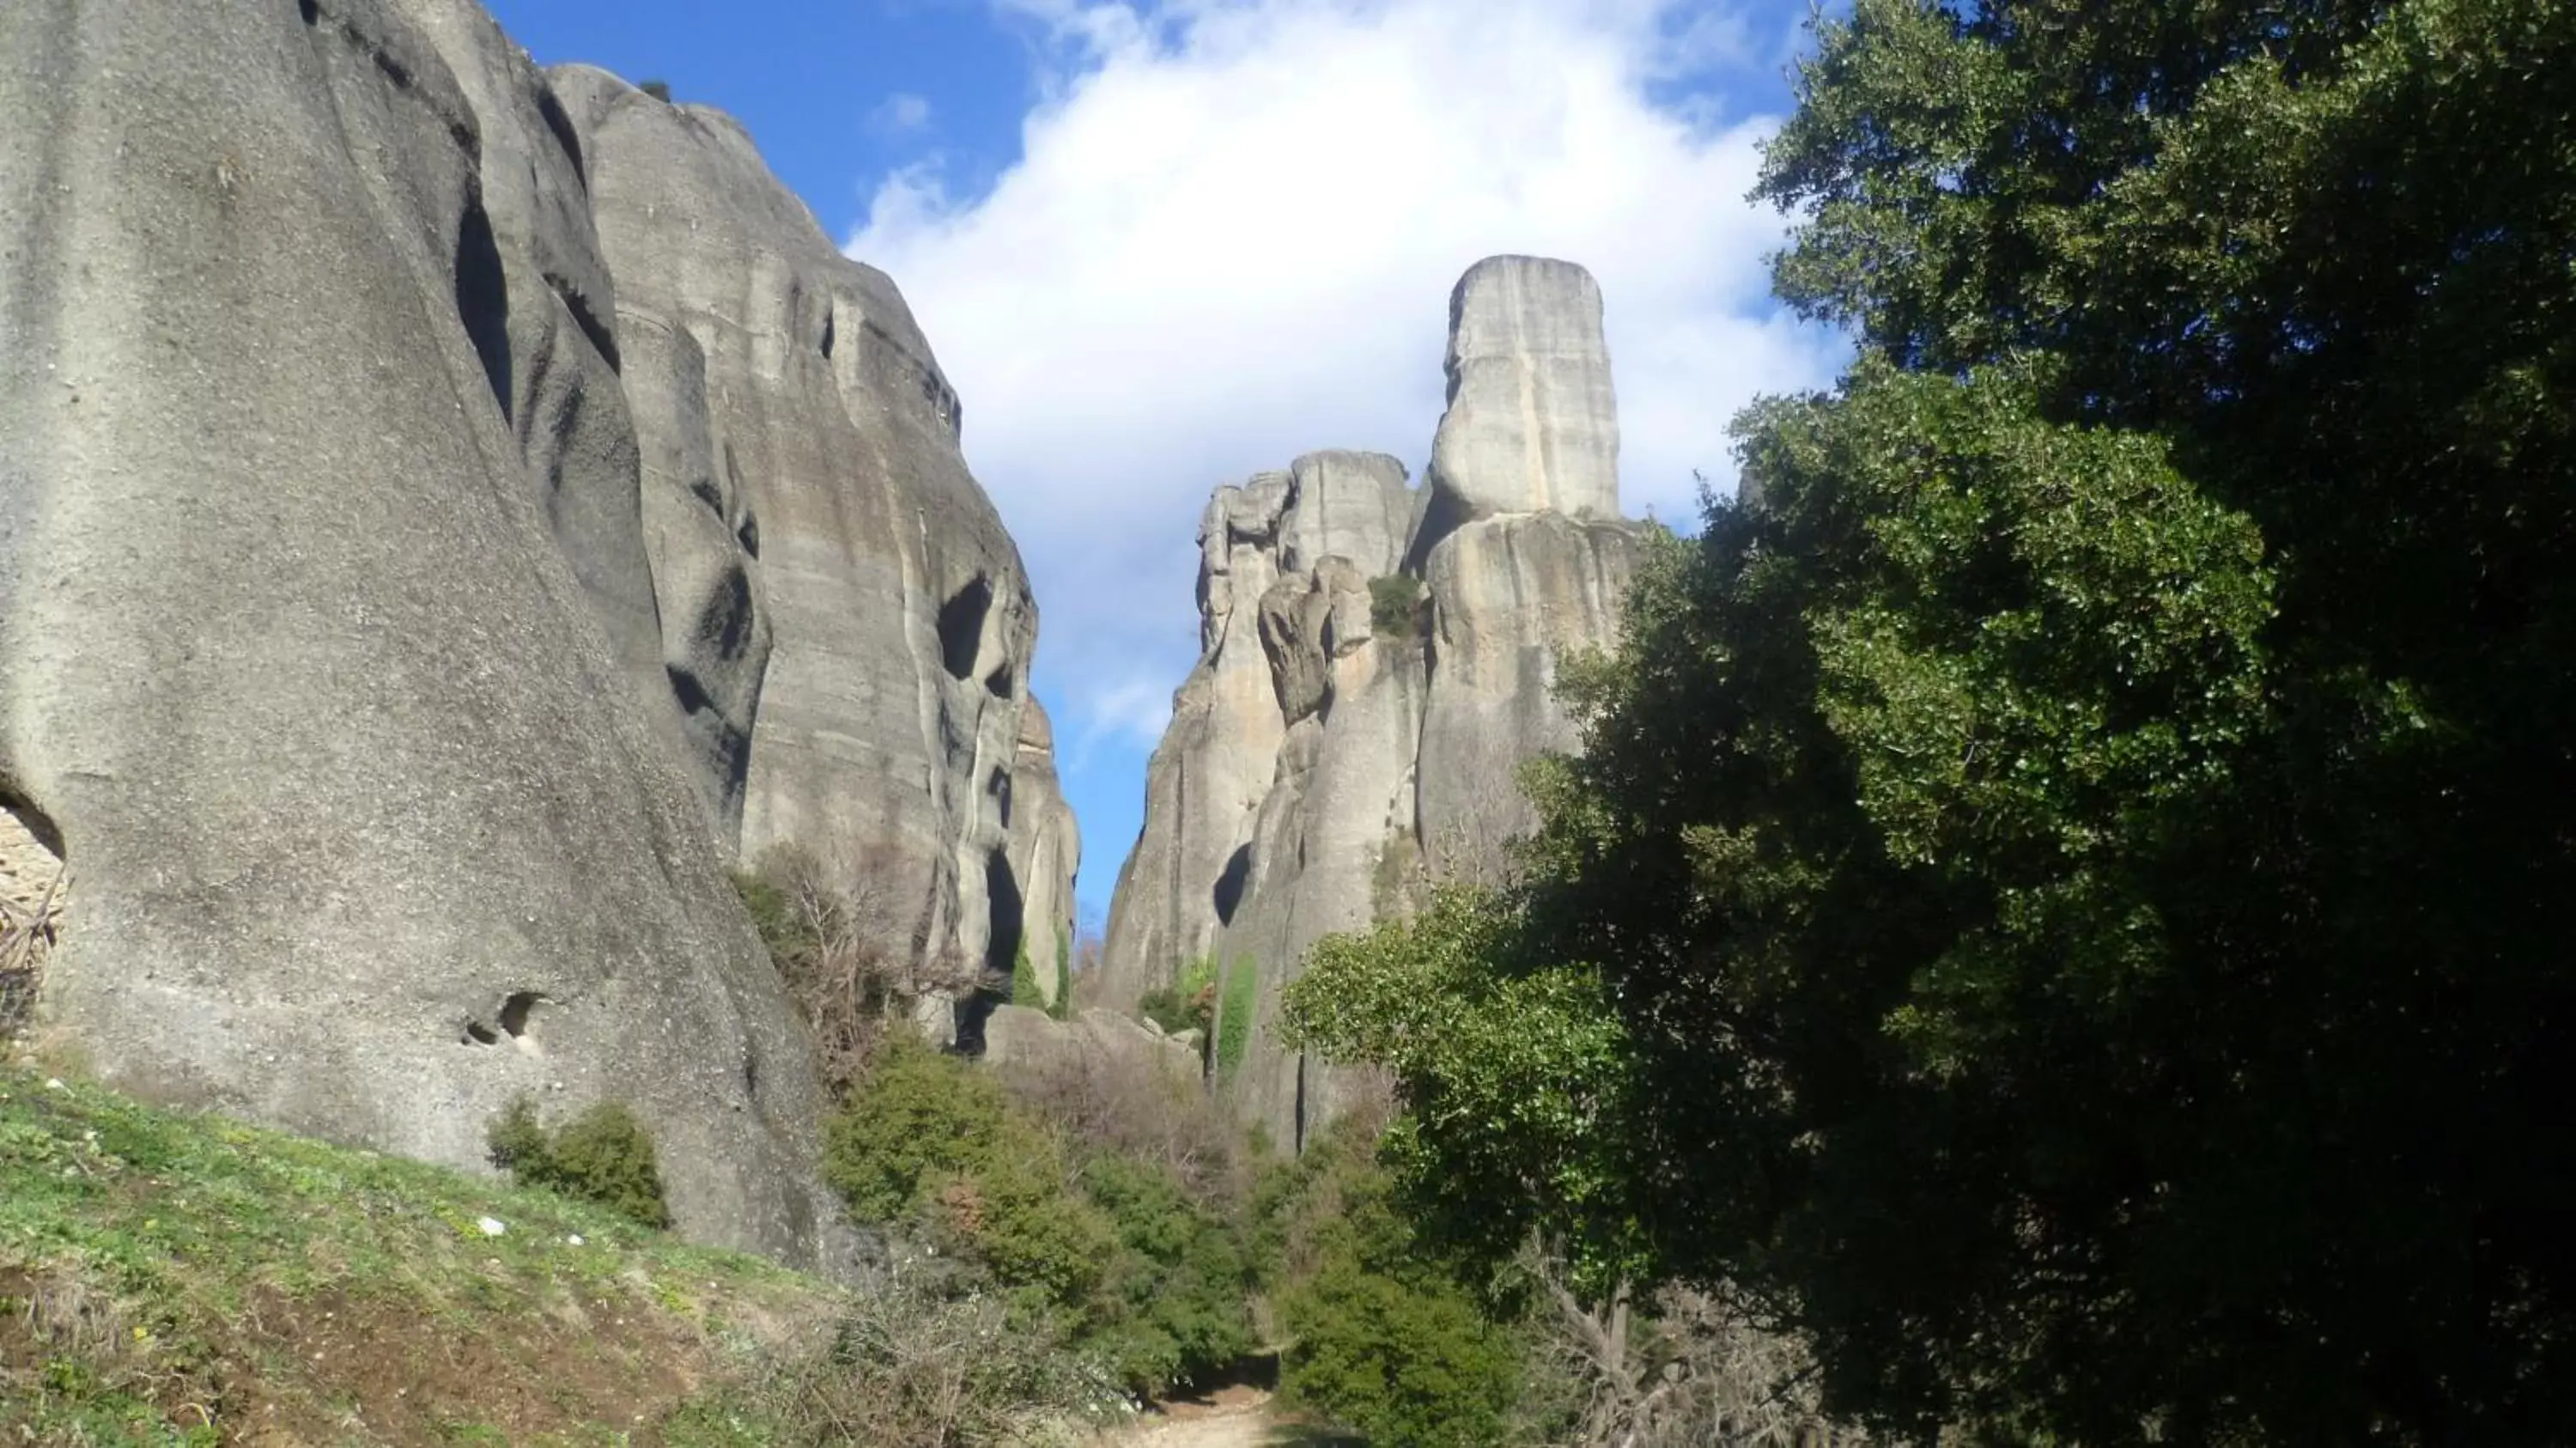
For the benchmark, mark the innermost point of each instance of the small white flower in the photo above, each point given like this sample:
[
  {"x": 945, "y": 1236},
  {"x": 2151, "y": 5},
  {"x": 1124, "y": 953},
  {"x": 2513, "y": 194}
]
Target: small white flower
[
  {"x": 574, "y": 1239},
  {"x": 491, "y": 1226}
]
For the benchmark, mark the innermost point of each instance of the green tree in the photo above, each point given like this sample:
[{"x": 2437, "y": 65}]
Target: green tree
[{"x": 2079, "y": 867}]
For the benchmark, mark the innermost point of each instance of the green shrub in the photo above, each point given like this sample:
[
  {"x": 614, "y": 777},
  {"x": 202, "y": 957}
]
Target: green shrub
[
  {"x": 1024, "y": 980},
  {"x": 1380, "y": 1339},
  {"x": 773, "y": 913},
  {"x": 1234, "y": 1023},
  {"x": 657, "y": 89},
  {"x": 603, "y": 1155},
  {"x": 931, "y": 1142},
  {"x": 1063, "y": 974},
  {"x": 1178, "y": 1294},
  {"x": 919, "y": 1113},
  {"x": 1188, "y": 1003},
  {"x": 1395, "y": 606}
]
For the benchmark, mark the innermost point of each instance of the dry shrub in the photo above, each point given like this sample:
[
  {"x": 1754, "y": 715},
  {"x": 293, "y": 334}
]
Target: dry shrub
[
  {"x": 1699, "y": 1371},
  {"x": 837, "y": 928},
  {"x": 27, "y": 934},
  {"x": 1134, "y": 1104},
  {"x": 925, "y": 1359}
]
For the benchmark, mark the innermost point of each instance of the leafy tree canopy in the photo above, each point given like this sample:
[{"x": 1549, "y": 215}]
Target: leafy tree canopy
[{"x": 2069, "y": 886}]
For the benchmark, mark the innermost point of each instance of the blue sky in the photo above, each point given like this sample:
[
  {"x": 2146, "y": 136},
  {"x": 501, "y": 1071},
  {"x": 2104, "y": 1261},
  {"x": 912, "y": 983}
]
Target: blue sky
[{"x": 1159, "y": 245}]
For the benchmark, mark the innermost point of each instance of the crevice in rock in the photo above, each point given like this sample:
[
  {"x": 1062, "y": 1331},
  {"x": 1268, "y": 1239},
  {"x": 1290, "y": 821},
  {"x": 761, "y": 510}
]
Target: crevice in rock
[
  {"x": 998, "y": 682},
  {"x": 999, "y": 787},
  {"x": 550, "y": 107},
  {"x": 748, "y": 534},
  {"x": 686, "y": 688},
  {"x": 961, "y": 627},
  {"x": 587, "y": 319},
  {"x": 483, "y": 298},
  {"x": 831, "y": 315}
]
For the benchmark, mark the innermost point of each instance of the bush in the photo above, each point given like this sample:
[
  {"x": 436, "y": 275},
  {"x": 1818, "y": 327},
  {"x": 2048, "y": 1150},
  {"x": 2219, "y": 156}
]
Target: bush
[
  {"x": 1100, "y": 1199},
  {"x": 1024, "y": 980},
  {"x": 934, "y": 1144},
  {"x": 1380, "y": 1339},
  {"x": 1178, "y": 1291},
  {"x": 1063, "y": 974},
  {"x": 1188, "y": 1003},
  {"x": 1395, "y": 606},
  {"x": 1234, "y": 1023},
  {"x": 603, "y": 1155},
  {"x": 842, "y": 941},
  {"x": 921, "y": 1114},
  {"x": 921, "y": 1361},
  {"x": 657, "y": 89}
]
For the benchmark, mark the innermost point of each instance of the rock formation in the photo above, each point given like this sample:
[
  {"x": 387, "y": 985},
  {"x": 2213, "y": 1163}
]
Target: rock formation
[
  {"x": 437, "y": 533},
  {"x": 803, "y": 487},
  {"x": 1375, "y": 663}
]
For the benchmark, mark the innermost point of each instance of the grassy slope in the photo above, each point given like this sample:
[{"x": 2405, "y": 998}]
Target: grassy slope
[{"x": 181, "y": 1279}]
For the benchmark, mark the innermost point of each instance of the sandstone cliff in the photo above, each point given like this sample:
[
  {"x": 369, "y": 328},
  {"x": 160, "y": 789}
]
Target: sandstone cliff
[
  {"x": 437, "y": 533},
  {"x": 1336, "y": 747},
  {"x": 804, "y": 490}
]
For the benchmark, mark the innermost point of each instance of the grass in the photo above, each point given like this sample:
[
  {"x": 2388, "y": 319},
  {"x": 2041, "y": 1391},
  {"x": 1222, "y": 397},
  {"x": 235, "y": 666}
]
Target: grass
[{"x": 175, "y": 1278}]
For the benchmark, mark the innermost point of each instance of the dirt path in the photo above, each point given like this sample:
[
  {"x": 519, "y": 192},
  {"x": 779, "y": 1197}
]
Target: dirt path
[
  {"x": 1244, "y": 1427},
  {"x": 1235, "y": 1418}
]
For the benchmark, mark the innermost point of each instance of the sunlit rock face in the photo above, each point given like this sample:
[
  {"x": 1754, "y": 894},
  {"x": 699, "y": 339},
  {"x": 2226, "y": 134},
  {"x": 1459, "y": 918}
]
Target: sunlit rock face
[
  {"x": 803, "y": 469},
  {"x": 1377, "y": 661},
  {"x": 448, "y": 514},
  {"x": 329, "y": 653}
]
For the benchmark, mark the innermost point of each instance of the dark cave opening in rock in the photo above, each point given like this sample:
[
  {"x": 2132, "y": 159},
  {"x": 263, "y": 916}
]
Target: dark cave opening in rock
[
  {"x": 961, "y": 627},
  {"x": 1229, "y": 884}
]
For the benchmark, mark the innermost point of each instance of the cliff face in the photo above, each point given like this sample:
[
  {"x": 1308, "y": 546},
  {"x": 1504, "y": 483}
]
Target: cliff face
[
  {"x": 1329, "y": 755},
  {"x": 445, "y": 516},
  {"x": 803, "y": 486}
]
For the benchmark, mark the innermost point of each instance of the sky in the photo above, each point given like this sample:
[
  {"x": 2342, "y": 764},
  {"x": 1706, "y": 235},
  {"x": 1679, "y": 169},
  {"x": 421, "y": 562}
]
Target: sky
[{"x": 1161, "y": 245}]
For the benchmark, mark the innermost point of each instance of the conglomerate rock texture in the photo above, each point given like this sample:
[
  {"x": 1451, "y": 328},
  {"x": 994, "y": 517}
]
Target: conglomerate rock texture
[
  {"x": 1335, "y": 750},
  {"x": 437, "y": 535}
]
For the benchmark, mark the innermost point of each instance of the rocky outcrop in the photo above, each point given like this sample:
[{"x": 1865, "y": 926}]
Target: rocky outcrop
[
  {"x": 1219, "y": 759},
  {"x": 1376, "y": 663},
  {"x": 805, "y": 487},
  {"x": 1026, "y": 1039},
  {"x": 446, "y": 515}
]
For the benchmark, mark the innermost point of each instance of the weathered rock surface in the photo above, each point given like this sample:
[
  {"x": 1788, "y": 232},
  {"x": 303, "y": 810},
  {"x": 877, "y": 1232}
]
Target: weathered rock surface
[
  {"x": 1219, "y": 758},
  {"x": 446, "y": 514},
  {"x": 1532, "y": 423},
  {"x": 1017, "y": 1036},
  {"x": 804, "y": 475},
  {"x": 1319, "y": 770},
  {"x": 323, "y": 617}
]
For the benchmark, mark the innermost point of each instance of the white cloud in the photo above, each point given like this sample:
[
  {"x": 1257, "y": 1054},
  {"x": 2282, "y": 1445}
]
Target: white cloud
[
  {"x": 1231, "y": 239},
  {"x": 900, "y": 114}
]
